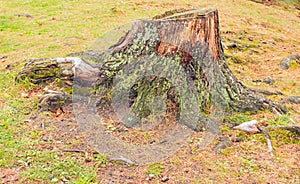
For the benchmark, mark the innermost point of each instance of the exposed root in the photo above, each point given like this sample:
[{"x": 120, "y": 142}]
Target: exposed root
[
  {"x": 294, "y": 129},
  {"x": 51, "y": 101},
  {"x": 291, "y": 99},
  {"x": 265, "y": 92}
]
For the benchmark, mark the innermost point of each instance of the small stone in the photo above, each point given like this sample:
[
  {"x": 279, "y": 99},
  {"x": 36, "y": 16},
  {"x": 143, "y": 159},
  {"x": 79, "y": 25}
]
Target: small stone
[
  {"x": 272, "y": 42},
  {"x": 54, "y": 180},
  {"x": 285, "y": 62},
  {"x": 265, "y": 124},
  {"x": 151, "y": 176},
  {"x": 88, "y": 160},
  {"x": 256, "y": 80},
  {"x": 268, "y": 80},
  {"x": 51, "y": 176},
  {"x": 238, "y": 139},
  {"x": 165, "y": 178},
  {"x": 224, "y": 143}
]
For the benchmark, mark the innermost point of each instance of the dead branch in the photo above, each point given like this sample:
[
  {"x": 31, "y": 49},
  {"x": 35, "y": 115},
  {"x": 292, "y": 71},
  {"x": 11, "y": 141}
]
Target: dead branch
[
  {"x": 78, "y": 151},
  {"x": 269, "y": 143},
  {"x": 124, "y": 160}
]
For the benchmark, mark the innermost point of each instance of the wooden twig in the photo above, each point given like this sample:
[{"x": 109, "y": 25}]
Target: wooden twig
[
  {"x": 124, "y": 160},
  {"x": 118, "y": 159},
  {"x": 279, "y": 114},
  {"x": 78, "y": 151},
  {"x": 35, "y": 115},
  {"x": 269, "y": 143}
]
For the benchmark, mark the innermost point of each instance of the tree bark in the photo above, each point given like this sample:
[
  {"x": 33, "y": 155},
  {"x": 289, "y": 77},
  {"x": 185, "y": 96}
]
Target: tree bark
[{"x": 190, "y": 40}]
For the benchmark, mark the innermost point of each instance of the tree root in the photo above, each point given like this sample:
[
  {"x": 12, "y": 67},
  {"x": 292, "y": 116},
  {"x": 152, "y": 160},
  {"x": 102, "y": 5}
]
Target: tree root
[
  {"x": 293, "y": 129},
  {"x": 291, "y": 99},
  {"x": 265, "y": 92},
  {"x": 51, "y": 101}
]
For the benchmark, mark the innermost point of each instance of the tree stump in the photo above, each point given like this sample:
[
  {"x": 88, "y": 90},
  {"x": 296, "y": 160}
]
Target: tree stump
[{"x": 177, "y": 56}]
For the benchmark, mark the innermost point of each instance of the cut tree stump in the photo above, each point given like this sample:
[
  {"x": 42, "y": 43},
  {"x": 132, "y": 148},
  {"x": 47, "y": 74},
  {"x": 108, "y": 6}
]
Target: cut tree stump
[{"x": 178, "y": 43}]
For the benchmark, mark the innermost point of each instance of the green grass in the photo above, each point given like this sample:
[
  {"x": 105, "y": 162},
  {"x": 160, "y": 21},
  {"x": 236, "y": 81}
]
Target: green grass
[
  {"x": 155, "y": 169},
  {"x": 18, "y": 141},
  {"x": 48, "y": 166},
  {"x": 280, "y": 121},
  {"x": 237, "y": 118}
]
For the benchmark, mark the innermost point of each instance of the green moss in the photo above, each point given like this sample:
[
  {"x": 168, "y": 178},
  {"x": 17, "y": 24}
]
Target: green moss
[
  {"x": 225, "y": 129},
  {"x": 294, "y": 65},
  {"x": 282, "y": 137},
  {"x": 250, "y": 165},
  {"x": 101, "y": 159},
  {"x": 237, "y": 118},
  {"x": 155, "y": 169},
  {"x": 68, "y": 90},
  {"x": 235, "y": 59},
  {"x": 227, "y": 151}
]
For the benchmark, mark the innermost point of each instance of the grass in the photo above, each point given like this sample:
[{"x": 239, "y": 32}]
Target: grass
[
  {"x": 18, "y": 141},
  {"x": 57, "y": 28},
  {"x": 155, "y": 169},
  {"x": 56, "y": 169}
]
